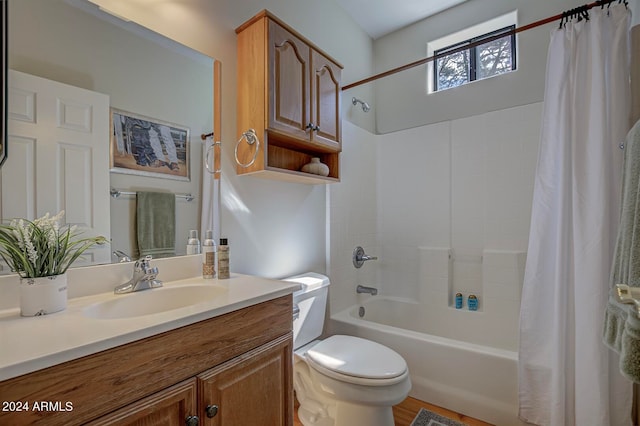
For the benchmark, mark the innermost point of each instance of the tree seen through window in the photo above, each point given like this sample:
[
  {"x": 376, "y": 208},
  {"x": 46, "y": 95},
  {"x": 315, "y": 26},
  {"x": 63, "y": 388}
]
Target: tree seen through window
[{"x": 482, "y": 61}]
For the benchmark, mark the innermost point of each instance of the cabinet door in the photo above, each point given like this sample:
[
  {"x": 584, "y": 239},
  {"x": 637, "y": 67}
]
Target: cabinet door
[
  {"x": 169, "y": 407},
  {"x": 289, "y": 84},
  {"x": 252, "y": 389},
  {"x": 325, "y": 94}
]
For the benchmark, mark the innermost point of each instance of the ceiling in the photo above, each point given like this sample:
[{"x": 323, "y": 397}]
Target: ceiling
[{"x": 380, "y": 17}]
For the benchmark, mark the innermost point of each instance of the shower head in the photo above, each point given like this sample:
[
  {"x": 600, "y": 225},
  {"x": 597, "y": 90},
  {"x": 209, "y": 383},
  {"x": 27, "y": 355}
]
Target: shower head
[{"x": 365, "y": 106}]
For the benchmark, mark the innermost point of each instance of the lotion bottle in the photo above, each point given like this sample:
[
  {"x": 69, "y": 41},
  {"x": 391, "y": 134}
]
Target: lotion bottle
[
  {"x": 208, "y": 255},
  {"x": 193, "y": 243}
]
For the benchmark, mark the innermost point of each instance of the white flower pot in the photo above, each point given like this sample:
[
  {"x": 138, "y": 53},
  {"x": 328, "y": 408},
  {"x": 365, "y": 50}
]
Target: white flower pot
[{"x": 43, "y": 295}]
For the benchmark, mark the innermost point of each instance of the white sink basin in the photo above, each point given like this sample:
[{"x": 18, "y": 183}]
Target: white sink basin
[{"x": 153, "y": 301}]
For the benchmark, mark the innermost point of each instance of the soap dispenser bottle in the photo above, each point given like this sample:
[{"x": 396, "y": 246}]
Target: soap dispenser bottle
[
  {"x": 208, "y": 255},
  {"x": 193, "y": 243}
]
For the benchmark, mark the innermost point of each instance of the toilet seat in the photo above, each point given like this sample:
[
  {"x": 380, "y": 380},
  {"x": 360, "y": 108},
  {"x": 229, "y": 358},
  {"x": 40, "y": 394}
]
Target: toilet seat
[{"x": 359, "y": 361}]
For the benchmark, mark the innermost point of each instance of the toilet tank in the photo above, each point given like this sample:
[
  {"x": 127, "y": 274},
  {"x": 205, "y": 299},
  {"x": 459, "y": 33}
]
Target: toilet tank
[{"x": 311, "y": 300}]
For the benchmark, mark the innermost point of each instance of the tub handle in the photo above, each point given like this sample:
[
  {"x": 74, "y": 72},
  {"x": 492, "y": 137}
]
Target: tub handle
[
  {"x": 296, "y": 312},
  {"x": 359, "y": 257}
]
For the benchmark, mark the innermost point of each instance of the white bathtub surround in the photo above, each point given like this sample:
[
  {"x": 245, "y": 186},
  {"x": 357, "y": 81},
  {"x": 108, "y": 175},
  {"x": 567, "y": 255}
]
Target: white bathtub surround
[
  {"x": 467, "y": 268},
  {"x": 352, "y": 218},
  {"x": 495, "y": 277},
  {"x": 573, "y": 229},
  {"x": 475, "y": 379},
  {"x": 434, "y": 275}
]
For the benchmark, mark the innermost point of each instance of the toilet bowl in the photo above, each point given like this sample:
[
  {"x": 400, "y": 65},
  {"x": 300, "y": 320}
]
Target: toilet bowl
[{"x": 341, "y": 380}]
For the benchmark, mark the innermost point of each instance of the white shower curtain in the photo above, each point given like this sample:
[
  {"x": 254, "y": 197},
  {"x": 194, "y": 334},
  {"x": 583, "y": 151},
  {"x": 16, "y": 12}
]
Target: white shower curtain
[
  {"x": 566, "y": 374},
  {"x": 209, "y": 216}
]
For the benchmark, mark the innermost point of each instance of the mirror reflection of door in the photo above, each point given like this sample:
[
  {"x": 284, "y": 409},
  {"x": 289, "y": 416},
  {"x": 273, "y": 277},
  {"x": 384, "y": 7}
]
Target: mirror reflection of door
[{"x": 59, "y": 139}]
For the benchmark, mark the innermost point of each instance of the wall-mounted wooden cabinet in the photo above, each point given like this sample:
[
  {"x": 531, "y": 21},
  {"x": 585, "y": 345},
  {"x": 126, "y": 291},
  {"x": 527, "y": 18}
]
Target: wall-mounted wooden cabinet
[{"x": 289, "y": 93}]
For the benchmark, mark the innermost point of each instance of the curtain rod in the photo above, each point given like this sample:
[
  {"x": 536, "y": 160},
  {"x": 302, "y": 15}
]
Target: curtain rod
[{"x": 484, "y": 41}]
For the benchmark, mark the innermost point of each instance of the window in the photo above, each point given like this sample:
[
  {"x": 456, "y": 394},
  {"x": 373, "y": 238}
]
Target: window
[
  {"x": 481, "y": 61},
  {"x": 458, "y": 64}
]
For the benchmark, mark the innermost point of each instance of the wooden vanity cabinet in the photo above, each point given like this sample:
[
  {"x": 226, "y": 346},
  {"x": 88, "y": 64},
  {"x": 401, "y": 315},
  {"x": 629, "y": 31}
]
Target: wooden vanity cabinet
[
  {"x": 234, "y": 369},
  {"x": 289, "y": 93},
  {"x": 252, "y": 389},
  {"x": 172, "y": 406}
]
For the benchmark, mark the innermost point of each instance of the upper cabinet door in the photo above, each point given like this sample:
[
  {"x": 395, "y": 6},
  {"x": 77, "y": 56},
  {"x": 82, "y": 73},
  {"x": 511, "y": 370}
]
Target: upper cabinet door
[
  {"x": 289, "y": 85},
  {"x": 325, "y": 94}
]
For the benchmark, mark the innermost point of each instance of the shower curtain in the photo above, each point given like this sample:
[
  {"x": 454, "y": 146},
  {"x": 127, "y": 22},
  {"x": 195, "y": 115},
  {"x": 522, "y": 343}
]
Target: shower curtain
[
  {"x": 566, "y": 374},
  {"x": 209, "y": 217}
]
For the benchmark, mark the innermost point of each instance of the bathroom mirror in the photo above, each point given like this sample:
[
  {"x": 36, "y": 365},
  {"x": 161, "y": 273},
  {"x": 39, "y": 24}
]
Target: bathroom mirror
[{"x": 76, "y": 43}]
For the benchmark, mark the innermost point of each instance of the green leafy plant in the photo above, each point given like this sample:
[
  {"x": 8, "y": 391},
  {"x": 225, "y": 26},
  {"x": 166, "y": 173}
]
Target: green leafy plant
[{"x": 42, "y": 247}]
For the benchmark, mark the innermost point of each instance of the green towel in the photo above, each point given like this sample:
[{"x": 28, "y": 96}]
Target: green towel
[
  {"x": 622, "y": 324},
  {"x": 626, "y": 261},
  {"x": 156, "y": 219}
]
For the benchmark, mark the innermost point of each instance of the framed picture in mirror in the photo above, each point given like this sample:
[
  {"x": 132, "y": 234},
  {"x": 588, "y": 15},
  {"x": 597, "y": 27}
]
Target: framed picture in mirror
[
  {"x": 3, "y": 112},
  {"x": 145, "y": 146}
]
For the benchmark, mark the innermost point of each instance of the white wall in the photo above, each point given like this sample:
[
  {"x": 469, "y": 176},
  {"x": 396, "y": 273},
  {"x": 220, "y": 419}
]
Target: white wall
[
  {"x": 401, "y": 100},
  {"x": 274, "y": 228}
]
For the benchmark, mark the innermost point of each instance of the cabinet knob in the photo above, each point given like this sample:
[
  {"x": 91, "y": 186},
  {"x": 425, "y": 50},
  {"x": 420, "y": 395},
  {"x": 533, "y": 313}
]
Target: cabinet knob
[
  {"x": 312, "y": 127},
  {"x": 211, "y": 410},
  {"x": 192, "y": 421}
]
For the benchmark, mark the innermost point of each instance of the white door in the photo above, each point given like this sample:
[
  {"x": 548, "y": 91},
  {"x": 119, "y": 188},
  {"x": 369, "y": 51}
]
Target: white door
[{"x": 58, "y": 157}]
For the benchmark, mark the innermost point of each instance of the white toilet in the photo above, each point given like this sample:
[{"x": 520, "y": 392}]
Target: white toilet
[{"x": 341, "y": 380}]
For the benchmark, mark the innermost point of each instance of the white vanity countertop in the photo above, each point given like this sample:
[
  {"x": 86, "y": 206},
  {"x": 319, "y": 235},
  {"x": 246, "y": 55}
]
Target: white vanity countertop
[{"x": 28, "y": 344}]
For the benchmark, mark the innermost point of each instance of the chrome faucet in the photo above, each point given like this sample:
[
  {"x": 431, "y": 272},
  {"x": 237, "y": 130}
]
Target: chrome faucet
[
  {"x": 359, "y": 257},
  {"x": 144, "y": 277},
  {"x": 363, "y": 289},
  {"x": 122, "y": 256}
]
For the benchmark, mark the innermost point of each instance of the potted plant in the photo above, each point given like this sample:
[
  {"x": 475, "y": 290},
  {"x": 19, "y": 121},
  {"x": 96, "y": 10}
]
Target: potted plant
[{"x": 40, "y": 252}]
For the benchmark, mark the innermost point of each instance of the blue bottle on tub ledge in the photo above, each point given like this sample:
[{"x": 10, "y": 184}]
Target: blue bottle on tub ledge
[
  {"x": 472, "y": 302},
  {"x": 458, "y": 300}
]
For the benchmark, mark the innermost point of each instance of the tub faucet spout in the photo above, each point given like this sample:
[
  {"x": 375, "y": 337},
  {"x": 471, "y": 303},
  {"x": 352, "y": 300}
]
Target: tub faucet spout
[{"x": 370, "y": 290}]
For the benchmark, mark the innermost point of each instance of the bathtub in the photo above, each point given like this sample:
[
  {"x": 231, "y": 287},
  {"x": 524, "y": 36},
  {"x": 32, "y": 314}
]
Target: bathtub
[{"x": 470, "y": 378}]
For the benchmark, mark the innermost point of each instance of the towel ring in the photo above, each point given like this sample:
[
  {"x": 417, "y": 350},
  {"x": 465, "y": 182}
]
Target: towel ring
[
  {"x": 206, "y": 158},
  {"x": 251, "y": 137}
]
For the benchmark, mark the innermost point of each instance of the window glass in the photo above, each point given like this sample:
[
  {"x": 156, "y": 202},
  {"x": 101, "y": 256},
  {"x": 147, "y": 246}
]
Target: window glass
[
  {"x": 495, "y": 57},
  {"x": 453, "y": 70},
  {"x": 477, "y": 62}
]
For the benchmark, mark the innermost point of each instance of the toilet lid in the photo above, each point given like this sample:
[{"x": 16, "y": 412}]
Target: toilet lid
[{"x": 353, "y": 356}]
